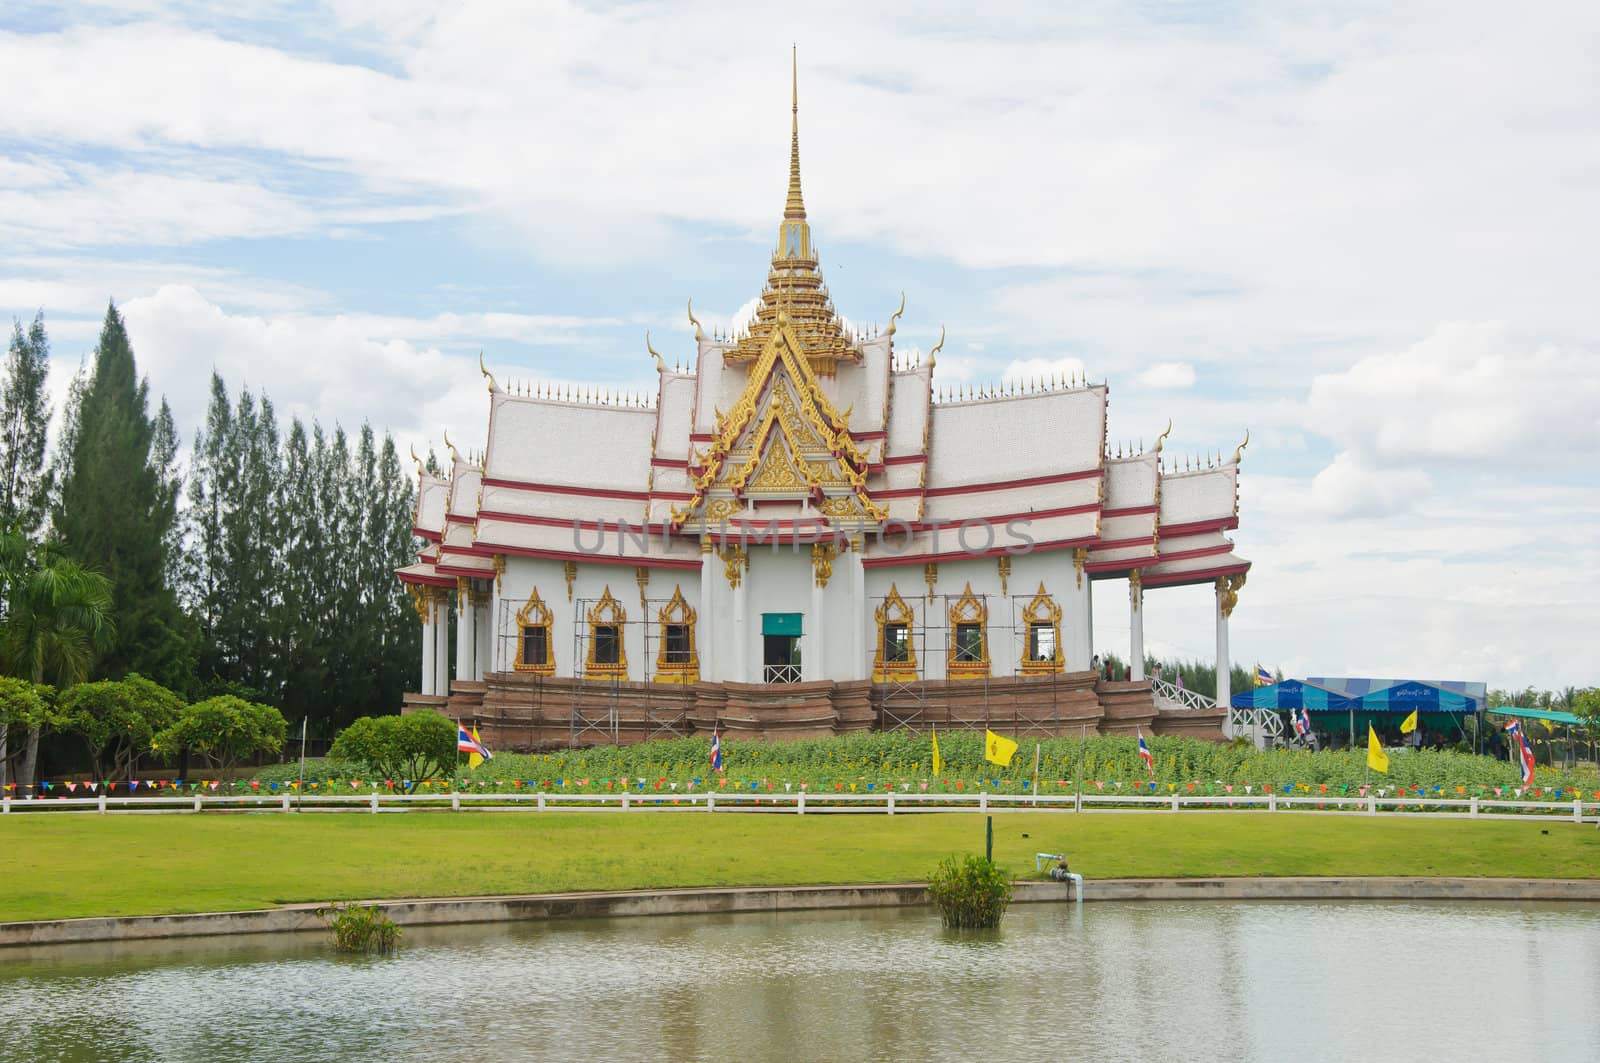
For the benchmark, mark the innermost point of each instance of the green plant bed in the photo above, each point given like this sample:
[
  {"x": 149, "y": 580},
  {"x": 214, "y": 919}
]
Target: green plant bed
[
  {"x": 970, "y": 892},
  {"x": 902, "y": 761}
]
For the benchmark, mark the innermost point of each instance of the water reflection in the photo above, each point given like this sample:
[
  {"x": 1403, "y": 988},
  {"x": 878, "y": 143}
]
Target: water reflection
[{"x": 1120, "y": 981}]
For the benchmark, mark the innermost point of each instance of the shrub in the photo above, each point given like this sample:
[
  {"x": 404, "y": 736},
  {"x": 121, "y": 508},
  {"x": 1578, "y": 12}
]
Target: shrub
[
  {"x": 358, "y": 929},
  {"x": 410, "y": 748},
  {"x": 225, "y": 730},
  {"x": 970, "y": 894}
]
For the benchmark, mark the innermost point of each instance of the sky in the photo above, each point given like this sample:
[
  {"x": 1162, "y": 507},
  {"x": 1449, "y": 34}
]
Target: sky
[{"x": 1366, "y": 232}]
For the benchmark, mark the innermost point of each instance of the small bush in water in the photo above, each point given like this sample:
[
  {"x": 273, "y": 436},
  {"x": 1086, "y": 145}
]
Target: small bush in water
[
  {"x": 971, "y": 893},
  {"x": 358, "y": 929}
]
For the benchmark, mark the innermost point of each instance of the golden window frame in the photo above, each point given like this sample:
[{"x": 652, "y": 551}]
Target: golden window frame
[
  {"x": 535, "y": 614},
  {"x": 894, "y": 610},
  {"x": 607, "y": 612},
  {"x": 1041, "y": 609},
  {"x": 968, "y": 609},
  {"x": 677, "y": 611}
]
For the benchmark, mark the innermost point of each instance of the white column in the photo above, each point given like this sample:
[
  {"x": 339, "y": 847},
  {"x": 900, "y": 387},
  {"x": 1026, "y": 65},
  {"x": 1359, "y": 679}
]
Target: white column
[
  {"x": 861, "y": 665},
  {"x": 1135, "y": 626},
  {"x": 812, "y": 667},
  {"x": 1224, "y": 607},
  {"x": 707, "y": 618},
  {"x": 466, "y": 632},
  {"x": 484, "y": 648},
  {"x": 1088, "y": 612},
  {"x": 427, "y": 642},
  {"x": 741, "y": 636},
  {"x": 441, "y": 645}
]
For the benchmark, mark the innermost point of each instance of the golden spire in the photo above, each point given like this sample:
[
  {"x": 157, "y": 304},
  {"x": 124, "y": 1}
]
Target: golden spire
[{"x": 795, "y": 207}]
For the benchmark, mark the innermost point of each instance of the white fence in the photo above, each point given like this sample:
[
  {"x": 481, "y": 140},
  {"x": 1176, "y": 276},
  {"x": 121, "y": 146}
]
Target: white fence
[{"x": 801, "y": 801}]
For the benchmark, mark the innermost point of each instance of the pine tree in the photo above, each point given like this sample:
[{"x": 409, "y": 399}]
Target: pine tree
[
  {"x": 115, "y": 512},
  {"x": 24, "y": 423}
]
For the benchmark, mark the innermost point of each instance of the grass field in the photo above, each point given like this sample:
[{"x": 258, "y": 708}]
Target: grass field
[{"x": 70, "y": 865}]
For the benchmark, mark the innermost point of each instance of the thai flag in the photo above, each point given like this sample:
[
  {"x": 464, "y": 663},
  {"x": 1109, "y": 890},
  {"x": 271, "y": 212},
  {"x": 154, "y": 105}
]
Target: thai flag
[
  {"x": 1263, "y": 677},
  {"x": 1524, "y": 752},
  {"x": 716, "y": 751},
  {"x": 1144, "y": 755},
  {"x": 1302, "y": 721},
  {"x": 465, "y": 743}
]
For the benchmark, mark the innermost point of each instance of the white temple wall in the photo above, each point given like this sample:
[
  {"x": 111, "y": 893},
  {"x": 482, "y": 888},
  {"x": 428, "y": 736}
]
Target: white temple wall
[{"x": 779, "y": 581}]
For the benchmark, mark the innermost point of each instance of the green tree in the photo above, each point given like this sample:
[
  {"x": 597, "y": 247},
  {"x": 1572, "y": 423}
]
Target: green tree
[
  {"x": 118, "y": 720},
  {"x": 58, "y": 617},
  {"x": 409, "y": 748},
  {"x": 27, "y": 707},
  {"x": 115, "y": 511},
  {"x": 225, "y": 730},
  {"x": 24, "y": 423}
]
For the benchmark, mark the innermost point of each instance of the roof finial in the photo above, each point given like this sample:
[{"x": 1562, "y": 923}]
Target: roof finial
[
  {"x": 453, "y": 455},
  {"x": 699, "y": 333},
  {"x": 1238, "y": 453},
  {"x": 417, "y": 460},
  {"x": 937, "y": 347},
  {"x": 661, "y": 365},
  {"x": 1162, "y": 438},
  {"x": 485, "y": 371},
  {"x": 896, "y": 315},
  {"x": 795, "y": 207}
]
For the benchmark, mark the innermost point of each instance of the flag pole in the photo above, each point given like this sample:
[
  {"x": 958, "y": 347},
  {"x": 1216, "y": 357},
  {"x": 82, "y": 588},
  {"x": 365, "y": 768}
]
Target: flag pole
[
  {"x": 1036, "y": 748},
  {"x": 301, "y": 789}
]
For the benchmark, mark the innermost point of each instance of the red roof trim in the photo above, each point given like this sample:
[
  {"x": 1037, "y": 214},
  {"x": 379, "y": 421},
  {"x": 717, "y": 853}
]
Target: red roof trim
[
  {"x": 470, "y": 573},
  {"x": 879, "y": 433},
  {"x": 594, "y": 559},
  {"x": 997, "y": 485},
  {"x": 563, "y": 489},
  {"x": 1183, "y": 579},
  {"x": 425, "y": 581},
  {"x": 1202, "y": 551},
  {"x": 1199, "y": 527},
  {"x": 669, "y": 463},
  {"x": 424, "y": 533},
  {"x": 563, "y": 522},
  {"x": 905, "y": 459},
  {"x": 1129, "y": 511},
  {"x": 960, "y": 555}
]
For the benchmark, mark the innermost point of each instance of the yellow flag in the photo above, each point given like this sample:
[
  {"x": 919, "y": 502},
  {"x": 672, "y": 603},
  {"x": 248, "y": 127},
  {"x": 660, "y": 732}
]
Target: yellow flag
[
  {"x": 1409, "y": 724},
  {"x": 938, "y": 761},
  {"x": 997, "y": 749},
  {"x": 1377, "y": 759},
  {"x": 1548, "y": 726},
  {"x": 475, "y": 758}
]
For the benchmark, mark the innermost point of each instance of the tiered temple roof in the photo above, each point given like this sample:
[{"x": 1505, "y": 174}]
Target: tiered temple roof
[{"x": 797, "y": 418}]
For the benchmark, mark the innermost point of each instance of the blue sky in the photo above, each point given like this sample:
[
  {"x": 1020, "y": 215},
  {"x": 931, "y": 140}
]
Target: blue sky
[{"x": 1364, "y": 231}]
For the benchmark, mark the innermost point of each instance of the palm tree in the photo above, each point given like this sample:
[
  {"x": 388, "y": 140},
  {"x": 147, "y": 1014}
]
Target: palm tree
[{"x": 58, "y": 615}]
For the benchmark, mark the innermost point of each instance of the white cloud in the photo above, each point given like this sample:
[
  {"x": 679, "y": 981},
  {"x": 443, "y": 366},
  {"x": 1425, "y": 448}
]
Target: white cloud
[
  {"x": 1467, "y": 393},
  {"x": 1168, "y": 376},
  {"x": 1347, "y": 488}
]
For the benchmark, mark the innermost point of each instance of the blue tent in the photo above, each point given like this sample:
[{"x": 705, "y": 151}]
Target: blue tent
[
  {"x": 1294, "y": 694},
  {"x": 1411, "y": 695}
]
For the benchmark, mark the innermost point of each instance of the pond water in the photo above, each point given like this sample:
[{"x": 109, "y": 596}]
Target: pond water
[{"x": 1260, "y": 981}]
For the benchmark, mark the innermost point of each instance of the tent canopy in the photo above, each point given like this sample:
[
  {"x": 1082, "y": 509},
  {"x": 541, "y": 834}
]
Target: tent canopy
[
  {"x": 1293, "y": 694},
  {"x": 1412, "y": 696},
  {"x": 1476, "y": 694},
  {"x": 1536, "y": 714}
]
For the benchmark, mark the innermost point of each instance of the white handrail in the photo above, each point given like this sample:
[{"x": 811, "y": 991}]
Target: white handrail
[
  {"x": 802, "y": 801},
  {"x": 1177, "y": 697}
]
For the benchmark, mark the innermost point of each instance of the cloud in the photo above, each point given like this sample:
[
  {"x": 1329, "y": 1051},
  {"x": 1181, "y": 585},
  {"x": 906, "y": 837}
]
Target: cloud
[
  {"x": 1468, "y": 393},
  {"x": 1347, "y": 488},
  {"x": 1168, "y": 376}
]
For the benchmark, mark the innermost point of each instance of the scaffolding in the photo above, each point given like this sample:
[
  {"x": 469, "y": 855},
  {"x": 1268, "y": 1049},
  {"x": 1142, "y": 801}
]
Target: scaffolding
[
  {"x": 903, "y": 699},
  {"x": 595, "y": 707}
]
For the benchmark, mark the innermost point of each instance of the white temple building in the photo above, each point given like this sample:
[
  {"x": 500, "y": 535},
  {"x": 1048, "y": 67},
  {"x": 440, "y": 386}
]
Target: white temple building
[{"x": 802, "y": 533}]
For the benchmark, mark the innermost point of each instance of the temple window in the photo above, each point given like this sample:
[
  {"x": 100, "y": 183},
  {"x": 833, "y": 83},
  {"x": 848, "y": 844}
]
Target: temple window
[
  {"x": 607, "y": 658},
  {"x": 896, "y": 657},
  {"x": 1043, "y": 617},
  {"x": 896, "y": 643},
  {"x": 677, "y": 661},
  {"x": 969, "y": 644},
  {"x": 533, "y": 637}
]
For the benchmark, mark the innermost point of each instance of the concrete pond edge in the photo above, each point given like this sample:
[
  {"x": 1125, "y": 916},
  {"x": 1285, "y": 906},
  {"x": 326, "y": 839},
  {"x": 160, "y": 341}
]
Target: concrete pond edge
[{"x": 443, "y": 911}]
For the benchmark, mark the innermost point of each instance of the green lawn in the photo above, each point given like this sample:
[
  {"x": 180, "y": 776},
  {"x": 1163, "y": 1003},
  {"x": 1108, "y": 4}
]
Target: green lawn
[{"x": 81, "y": 865}]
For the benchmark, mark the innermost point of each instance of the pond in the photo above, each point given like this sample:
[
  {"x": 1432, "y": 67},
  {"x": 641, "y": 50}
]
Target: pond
[{"x": 1113, "y": 981}]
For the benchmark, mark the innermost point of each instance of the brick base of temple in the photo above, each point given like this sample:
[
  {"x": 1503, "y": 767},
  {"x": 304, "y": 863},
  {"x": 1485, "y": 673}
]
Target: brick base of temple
[{"x": 520, "y": 712}]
